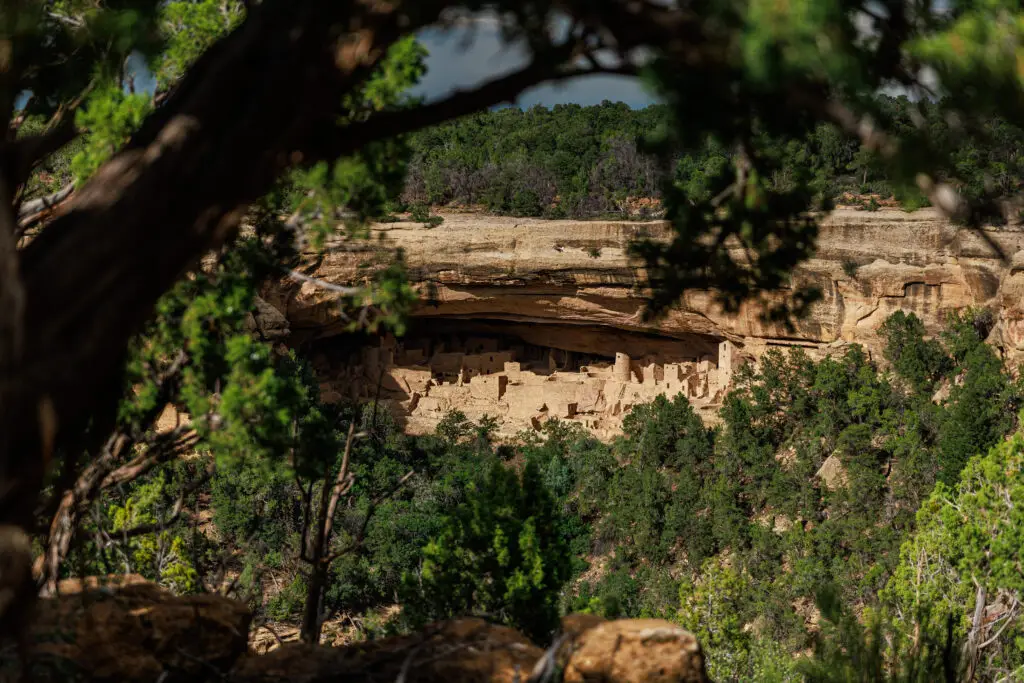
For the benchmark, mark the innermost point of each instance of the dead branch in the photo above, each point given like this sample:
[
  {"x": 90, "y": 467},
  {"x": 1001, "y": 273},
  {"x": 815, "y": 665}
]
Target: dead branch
[
  {"x": 342, "y": 484},
  {"x": 172, "y": 444},
  {"x": 971, "y": 649},
  {"x": 35, "y": 210},
  {"x": 360, "y": 537},
  {"x": 323, "y": 284},
  {"x": 70, "y": 506},
  {"x": 1007, "y": 618},
  {"x": 736, "y": 189},
  {"x": 311, "y": 623},
  {"x": 72, "y": 500}
]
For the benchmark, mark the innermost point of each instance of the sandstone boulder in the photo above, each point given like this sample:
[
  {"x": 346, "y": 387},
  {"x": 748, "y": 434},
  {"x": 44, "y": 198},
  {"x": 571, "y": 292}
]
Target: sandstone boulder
[
  {"x": 267, "y": 322},
  {"x": 832, "y": 473},
  {"x": 631, "y": 651},
  {"x": 474, "y": 651},
  {"x": 126, "y": 629},
  {"x": 466, "y": 650}
]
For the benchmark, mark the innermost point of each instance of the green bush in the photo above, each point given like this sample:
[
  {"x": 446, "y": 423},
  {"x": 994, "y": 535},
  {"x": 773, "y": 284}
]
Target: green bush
[{"x": 498, "y": 554}]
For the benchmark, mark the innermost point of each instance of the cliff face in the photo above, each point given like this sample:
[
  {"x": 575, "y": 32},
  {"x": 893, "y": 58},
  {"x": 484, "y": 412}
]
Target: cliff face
[
  {"x": 563, "y": 299},
  {"x": 577, "y": 273}
]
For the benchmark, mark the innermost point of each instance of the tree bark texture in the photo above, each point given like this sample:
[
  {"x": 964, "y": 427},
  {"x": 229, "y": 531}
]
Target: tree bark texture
[{"x": 242, "y": 114}]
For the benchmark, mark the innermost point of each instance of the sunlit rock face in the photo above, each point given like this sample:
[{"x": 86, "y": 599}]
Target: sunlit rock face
[{"x": 558, "y": 304}]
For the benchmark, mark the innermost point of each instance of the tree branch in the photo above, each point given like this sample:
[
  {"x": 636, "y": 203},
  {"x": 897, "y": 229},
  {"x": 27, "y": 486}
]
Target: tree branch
[
  {"x": 74, "y": 499},
  {"x": 22, "y": 154},
  {"x": 323, "y": 284},
  {"x": 37, "y": 210},
  {"x": 311, "y": 622},
  {"x": 358, "y": 542},
  {"x": 29, "y": 209},
  {"x": 156, "y": 527},
  {"x": 550, "y": 68},
  {"x": 166, "y": 448},
  {"x": 342, "y": 484}
]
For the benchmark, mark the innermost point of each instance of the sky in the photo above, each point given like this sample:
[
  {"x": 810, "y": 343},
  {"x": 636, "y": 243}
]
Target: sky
[
  {"x": 457, "y": 63},
  {"x": 452, "y": 65}
]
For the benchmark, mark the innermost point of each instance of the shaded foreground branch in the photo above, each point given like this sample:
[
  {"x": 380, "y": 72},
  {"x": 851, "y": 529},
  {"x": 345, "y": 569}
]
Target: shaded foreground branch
[
  {"x": 98, "y": 475},
  {"x": 179, "y": 189}
]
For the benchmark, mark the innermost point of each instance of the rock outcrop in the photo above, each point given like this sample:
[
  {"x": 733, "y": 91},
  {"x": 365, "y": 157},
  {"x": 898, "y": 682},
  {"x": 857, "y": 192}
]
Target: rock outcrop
[
  {"x": 633, "y": 651},
  {"x": 571, "y": 286},
  {"x": 127, "y": 630},
  {"x": 471, "y": 650}
]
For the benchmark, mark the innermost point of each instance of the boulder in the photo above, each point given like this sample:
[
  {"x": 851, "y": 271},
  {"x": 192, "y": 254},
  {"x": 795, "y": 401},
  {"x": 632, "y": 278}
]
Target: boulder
[
  {"x": 630, "y": 651},
  {"x": 465, "y": 650},
  {"x": 126, "y": 629},
  {"x": 474, "y": 651},
  {"x": 832, "y": 473},
  {"x": 267, "y": 322}
]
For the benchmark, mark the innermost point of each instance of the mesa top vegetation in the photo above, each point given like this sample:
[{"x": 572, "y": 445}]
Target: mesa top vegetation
[{"x": 292, "y": 115}]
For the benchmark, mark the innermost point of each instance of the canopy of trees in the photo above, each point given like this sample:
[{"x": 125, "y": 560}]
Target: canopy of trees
[
  {"x": 733, "y": 532},
  {"x": 126, "y": 283},
  {"x": 583, "y": 162}
]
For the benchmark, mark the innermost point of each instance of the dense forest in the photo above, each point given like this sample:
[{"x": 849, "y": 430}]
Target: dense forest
[
  {"x": 828, "y": 478},
  {"x": 576, "y": 162},
  {"x": 851, "y": 518}
]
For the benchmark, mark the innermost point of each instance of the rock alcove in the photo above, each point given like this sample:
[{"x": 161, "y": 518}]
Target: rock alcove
[{"x": 524, "y": 373}]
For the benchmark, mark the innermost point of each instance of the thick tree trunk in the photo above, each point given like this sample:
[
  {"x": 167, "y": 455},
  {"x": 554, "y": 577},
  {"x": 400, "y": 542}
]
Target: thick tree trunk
[
  {"x": 245, "y": 111},
  {"x": 310, "y": 631}
]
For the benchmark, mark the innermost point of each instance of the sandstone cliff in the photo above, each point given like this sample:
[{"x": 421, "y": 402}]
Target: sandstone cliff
[
  {"x": 566, "y": 272},
  {"x": 571, "y": 287}
]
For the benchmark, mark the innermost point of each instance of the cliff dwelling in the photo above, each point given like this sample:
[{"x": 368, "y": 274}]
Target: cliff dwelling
[{"x": 524, "y": 374}]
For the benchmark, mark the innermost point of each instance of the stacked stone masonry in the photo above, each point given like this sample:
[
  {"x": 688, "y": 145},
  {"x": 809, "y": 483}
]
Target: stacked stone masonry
[
  {"x": 480, "y": 379},
  {"x": 544, "y": 279}
]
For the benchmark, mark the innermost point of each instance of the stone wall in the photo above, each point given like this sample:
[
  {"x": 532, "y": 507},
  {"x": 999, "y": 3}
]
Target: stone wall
[
  {"x": 420, "y": 389},
  {"x": 543, "y": 279}
]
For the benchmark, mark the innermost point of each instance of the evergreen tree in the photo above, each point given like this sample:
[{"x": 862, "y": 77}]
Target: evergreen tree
[{"x": 497, "y": 555}]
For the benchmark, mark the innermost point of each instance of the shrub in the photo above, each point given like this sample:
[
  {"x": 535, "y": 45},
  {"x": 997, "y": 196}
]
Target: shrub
[{"x": 499, "y": 553}]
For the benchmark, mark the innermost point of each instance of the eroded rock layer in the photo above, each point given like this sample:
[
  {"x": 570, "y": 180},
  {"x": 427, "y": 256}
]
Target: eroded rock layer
[{"x": 571, "y": 288}]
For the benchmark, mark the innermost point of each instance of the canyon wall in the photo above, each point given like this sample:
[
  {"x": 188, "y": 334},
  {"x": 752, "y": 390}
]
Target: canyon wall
[{"x": 571, "y": 287}]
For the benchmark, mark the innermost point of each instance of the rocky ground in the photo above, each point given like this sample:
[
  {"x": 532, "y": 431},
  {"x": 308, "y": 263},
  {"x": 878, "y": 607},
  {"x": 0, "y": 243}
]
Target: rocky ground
[{"x": 125, "y": 629}]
